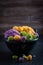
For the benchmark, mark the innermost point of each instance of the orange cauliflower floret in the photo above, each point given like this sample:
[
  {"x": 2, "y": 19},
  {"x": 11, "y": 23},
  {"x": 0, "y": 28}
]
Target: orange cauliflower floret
[
  {"x": 17, "y": 37},
  {"x": 27, "y": 29},
  {"x": 15, "y": 28}
]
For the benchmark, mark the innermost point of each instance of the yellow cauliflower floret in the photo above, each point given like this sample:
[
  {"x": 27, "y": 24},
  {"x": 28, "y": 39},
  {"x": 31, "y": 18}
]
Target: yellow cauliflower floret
[
  {"x": 31, "y": 29},
  {"x": 15, "y": 28},
  {"x": 20, "y": 28},
  {"x": 25, "y": 28},
  {"x": 29, "y": 57},
  {"x": 30, "y": 32},
  {"x": 17, "y": 37}
]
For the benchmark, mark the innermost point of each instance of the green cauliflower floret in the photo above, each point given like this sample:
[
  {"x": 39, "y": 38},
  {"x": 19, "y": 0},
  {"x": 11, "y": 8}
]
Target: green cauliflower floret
[
  {"x": 34, "y": 36},
  {"x": 14, "y": 57},
  {"x": 23, "y": 33},
  {"x": 10, "y": 38},
  {"x": 29, "y": 37}
]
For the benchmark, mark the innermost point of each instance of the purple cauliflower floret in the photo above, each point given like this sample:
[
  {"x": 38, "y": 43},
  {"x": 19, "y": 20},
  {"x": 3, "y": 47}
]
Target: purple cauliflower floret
[
  {"x": 23, "y": 38},
  {"x": 37, "y": 34},
  {"x": 11, "y": 33},
  {"x": 21, "y": 59}
]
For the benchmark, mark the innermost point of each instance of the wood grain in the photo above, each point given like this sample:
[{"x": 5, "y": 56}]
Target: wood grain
[{"x": 21, "y": 12}]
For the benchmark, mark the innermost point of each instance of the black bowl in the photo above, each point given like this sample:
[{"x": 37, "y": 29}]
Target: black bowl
[{"x": 19, "y": 48}]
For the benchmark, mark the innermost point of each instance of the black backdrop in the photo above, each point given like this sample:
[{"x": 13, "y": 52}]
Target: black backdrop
[{"x": 21, "y": 12}]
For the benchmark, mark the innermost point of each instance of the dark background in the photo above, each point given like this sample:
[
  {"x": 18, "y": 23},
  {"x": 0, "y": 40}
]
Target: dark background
[{"x": 21, "y": 12}]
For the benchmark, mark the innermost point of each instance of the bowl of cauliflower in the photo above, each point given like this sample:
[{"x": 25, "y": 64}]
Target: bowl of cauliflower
[{"x": 20, "y": 39}]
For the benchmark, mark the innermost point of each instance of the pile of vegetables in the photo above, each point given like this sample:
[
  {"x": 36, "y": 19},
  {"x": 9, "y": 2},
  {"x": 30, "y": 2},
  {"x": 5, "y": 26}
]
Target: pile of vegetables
[
  {"x": 23, "y": 58},
  {"x": 22, "y": 33}
]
